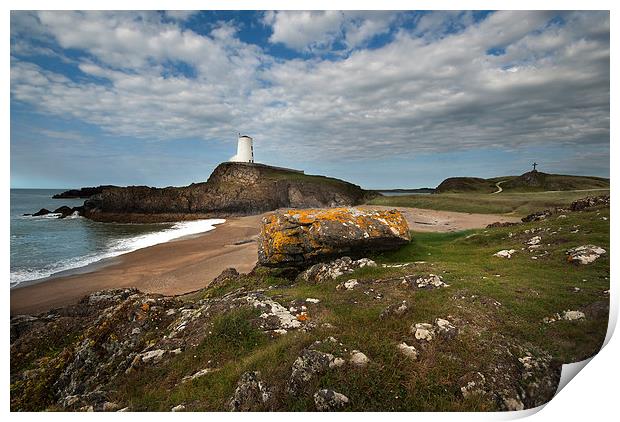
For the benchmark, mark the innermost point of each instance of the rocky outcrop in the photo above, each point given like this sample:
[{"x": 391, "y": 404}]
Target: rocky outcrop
[
  {"x": 590, "y": 202},
  {"x": 310, "y": 364},
  {"x": 578, "y": 205},
  {"x": 60, "y": 212},
  {"x": 537, "y": 216},
  {"x": 583, "y": 255},
  {"x": 303, "y": 237},
  {"x": 251, "y": 393},
  {"x": 329, "y": 400},
  {"x": 41, "y": 212},
  {"x": 321, "y": 272},
  {"x": 232, "y": 189},
  {"x": 82, "y": 192},
  {"x": 78, "y": 358},
  {"x": 505, "y": 253}
]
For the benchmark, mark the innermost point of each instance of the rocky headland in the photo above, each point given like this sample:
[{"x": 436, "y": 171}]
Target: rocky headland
[
  {"x": 86, "y": 192},
  {"x": 233, "y": 189}
]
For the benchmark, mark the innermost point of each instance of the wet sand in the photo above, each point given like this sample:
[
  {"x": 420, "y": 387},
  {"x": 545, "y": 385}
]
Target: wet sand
[
  {"x": 186, "y": 265},
  {"x": 171, "y": 268},
  {"x": 421, "y": 220}
]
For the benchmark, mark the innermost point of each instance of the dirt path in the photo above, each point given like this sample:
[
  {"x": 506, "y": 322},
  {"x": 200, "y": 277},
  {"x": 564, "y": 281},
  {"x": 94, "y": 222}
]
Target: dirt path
[{"x": 499, "y": 188}]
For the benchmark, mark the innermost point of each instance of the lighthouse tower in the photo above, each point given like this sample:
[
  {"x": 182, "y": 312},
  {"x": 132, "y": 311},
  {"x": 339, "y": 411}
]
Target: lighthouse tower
[{"x": 245, "y": 150}]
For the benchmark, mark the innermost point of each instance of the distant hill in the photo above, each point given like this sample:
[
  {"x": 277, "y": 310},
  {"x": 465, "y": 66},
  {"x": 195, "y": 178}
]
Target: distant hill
[
  {"x": 533, "y": 181},
  {"x": 466, "y": 184}
]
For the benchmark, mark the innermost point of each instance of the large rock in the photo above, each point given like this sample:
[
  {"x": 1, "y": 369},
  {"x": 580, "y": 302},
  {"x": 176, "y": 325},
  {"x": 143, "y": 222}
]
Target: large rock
[
  {"x": 232, "y": 189},
  {"x": 308, "y": 366},
  {"x": 304, "y": 237},
  {"x": 251, "y": 393},
  {"x": 327, "y": 400},
  {"x": 64, "y": 211},
  {"x": 586, "y": 254},
  {"x": 42, "y": 211}
]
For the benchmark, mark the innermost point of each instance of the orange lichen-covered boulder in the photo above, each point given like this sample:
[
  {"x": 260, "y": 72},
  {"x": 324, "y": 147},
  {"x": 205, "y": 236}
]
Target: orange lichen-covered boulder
[{"x": 304, "y": 237}]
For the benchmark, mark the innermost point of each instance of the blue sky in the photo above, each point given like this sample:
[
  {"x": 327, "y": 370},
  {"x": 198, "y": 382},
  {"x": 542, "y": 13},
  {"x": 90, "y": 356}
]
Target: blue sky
[{"x": 383, "y": 99}]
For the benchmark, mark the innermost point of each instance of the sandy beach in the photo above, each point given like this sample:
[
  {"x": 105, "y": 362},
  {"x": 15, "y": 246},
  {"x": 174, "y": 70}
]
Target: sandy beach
[{"x": 186, "y": 265}]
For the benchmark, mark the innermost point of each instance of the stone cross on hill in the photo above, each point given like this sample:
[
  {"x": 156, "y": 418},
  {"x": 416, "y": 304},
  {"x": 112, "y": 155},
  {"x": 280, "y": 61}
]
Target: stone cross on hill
[{"x": 534, "y": 165}]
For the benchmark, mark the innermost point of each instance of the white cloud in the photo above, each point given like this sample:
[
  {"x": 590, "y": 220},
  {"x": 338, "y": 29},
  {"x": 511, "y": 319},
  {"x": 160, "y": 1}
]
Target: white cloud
[
  {"x": 415, "y": 94},
  {"x": 319, "y": 30},
  {"x": 305, "y": 29},
  {"x": 180, "y": 15},
  {"x": 363, "y": 26}
]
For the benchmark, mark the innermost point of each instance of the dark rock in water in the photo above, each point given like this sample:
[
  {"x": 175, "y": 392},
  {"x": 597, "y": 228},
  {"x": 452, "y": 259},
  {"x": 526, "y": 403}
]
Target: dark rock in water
[
  {"x": 83, "y": 192},
  {"x": 304, "y": 237},
  {"x": 64, "y": 211},
  {"x": 42, "y": 211},
  {"x": 232, "y": 189}
]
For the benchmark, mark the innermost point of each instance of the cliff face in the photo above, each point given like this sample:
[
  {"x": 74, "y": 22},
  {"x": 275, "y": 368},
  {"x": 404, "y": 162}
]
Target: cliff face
[{"x": 232, "y": 189}]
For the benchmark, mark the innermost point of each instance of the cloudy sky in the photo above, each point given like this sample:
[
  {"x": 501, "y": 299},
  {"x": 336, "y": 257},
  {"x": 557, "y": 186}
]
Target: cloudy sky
[{"x": 383, "y": 99}]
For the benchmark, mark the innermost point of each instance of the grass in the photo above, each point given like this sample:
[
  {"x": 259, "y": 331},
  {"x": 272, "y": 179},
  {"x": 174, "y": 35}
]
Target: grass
[
  {"x": 277, "y": 174},
  {"x": 494, "y": 301},
  {"x": 519, "y": 204}
]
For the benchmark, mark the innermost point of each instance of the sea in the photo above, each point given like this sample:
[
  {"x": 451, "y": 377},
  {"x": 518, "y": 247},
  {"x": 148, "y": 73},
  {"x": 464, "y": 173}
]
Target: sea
[{"x": 47, "y": 246}]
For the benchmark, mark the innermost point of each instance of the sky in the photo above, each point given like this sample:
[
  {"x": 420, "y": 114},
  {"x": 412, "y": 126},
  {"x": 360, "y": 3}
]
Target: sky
[{"x": 383, "y": 99}]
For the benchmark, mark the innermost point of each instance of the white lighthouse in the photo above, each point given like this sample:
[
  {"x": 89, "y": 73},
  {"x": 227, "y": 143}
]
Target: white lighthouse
[{"x": 245, "y": 150}]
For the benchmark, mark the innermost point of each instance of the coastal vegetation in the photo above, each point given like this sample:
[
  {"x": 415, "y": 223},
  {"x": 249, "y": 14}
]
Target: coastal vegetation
[
  {"x": 518, "y": 204},
  {"x": 509, "y": 326}
]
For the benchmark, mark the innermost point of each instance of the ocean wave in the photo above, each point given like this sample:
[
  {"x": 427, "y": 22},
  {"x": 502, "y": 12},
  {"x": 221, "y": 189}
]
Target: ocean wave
[
  {"x": 116, "y": 248},
  {"x": 51, "y": 215}
]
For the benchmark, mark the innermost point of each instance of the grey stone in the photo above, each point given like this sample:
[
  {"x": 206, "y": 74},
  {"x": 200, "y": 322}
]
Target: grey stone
[
  {"x": 328, "y": 400},
  {"x": 251, "y": 393}
]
